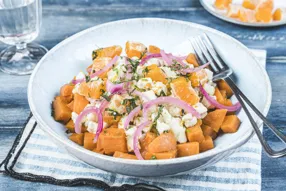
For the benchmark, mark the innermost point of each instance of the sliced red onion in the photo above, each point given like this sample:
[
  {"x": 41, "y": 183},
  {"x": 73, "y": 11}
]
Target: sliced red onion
[
  {"x": 103, "y": 105},
  {"x": 136, "y": 136},
  {"x": 89, "y": 70},
  {"x": 192, "y": 70},
  {"x": 213, "y": 102},
  {"x": 161, "y": 100},
  {"x": 74, "y": 81},
  {"x": 106, "y": 67},
  {"x": 148, "y": 57},
  {"x": 114, "y": 88},
  {"x": 86, "y": 111},
  {"x": 166, "y": 57}
]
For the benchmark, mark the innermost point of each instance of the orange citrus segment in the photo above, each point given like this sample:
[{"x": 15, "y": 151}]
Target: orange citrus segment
[
  {"x": 222, "y": 4},
  {"x": 246, "y": 15},
  {"x": 154, "y": 49},
  {"x": 135, "y": 49},
  {"x": 156, "y": 74},
  {"x": 183, "y": 89},
  {"x": 250, "y": 4},
  {"x": 263, "y": 11},
  {"x": 92, "y": 89},
  {"x": 99, "y": 64},
  {"x": 111, "y": 52},
  {"x": 277, "y": 16},
  {"x": 233, "y": 11}
]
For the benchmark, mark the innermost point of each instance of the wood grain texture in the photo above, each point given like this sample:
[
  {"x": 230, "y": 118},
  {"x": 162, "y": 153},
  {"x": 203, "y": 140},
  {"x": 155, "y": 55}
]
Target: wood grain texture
[{"x": 63, "y": 18}]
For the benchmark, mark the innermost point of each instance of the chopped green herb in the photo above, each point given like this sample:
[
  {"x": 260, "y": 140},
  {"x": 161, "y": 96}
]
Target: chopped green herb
[
  {"x": 166, "y": 131},
  {"x": 88, "y": 94},
  {"x": 113, "y": 113},
  {"x": 105, "y": 95},
  {"x": 162, "y": 93},
  {"x": 153, "y": 157},
  {"x": 87, "y": 78},
  {"x": 145, "y": 71},
  {"x": 188, "y": 130},
  {"x": 94, "y": 53}
]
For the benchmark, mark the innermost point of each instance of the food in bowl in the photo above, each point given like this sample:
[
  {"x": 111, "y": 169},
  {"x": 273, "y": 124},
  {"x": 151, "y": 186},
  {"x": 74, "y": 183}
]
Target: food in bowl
[
  {"x": 145, "y": 104},
  {"x": 251, "y": 10}
]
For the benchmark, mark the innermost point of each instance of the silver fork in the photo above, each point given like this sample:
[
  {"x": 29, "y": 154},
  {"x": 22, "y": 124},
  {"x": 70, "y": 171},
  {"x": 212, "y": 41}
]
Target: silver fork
[{"x": 205, "y": 52}]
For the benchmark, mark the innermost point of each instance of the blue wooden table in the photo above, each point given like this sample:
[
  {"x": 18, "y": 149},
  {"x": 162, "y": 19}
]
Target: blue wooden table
[{"x": 62, "y": 18}]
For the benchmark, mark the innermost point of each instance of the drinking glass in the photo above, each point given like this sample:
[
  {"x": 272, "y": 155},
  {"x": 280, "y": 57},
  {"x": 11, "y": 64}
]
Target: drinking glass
[{"x": 20, "y": 22}]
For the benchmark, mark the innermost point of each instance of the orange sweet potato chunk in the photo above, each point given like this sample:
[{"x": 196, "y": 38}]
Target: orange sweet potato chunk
[
  {"x": 88, "y": 141},
  {"x": 154, "y": 49},
  {"x": 135, "y": 49},
  {"x": 208, "y": 131},
  {"x": 110, "y": 120},
  {"x": 111, "y": 140},
  {"x": 61, "y": 111},
  {"x": 195, "y": 134},
  {"x": 230, "y": 124},
  {"x": 70, "y": 105},
  {"x": 191, "y": 59},
  {"x": 219, "y": 96},
  {"x": 66, "y": 90},
  {"x": 222, "y": 85},
  {"x": 79, "y": 103},
  {"x": 98, "y": 64},
  {"x": 77, "y": 138},
  {"x": 188, "y": 149},
  {"x": 158, "y": 156},
  {"x": 118, "y": 154},
  {"x": 70, "y": 126},
  {"x": 147, "y": 140},
  {"x": 110, "y": 52},
  {"x": 207, "y": 144},
  {"x": 222, "y": 4},
  {"x": 215, "y": 118},
  {"x": 163, "y": 143}
]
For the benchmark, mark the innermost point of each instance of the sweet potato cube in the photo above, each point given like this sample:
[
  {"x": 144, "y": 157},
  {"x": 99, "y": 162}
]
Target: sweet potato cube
[
  {"x": 158, "y": 156},
  {"x": 111, "y": 140},
  {"x": 222, "y": 85},
  {"x": 118, "y": 154},
  {"x": 208, "y": 131},
  {"x": 88, "y": 141},
  {"x": 207, "y": 144},
  {"x": 195, "y": 134},
  {"x": 222, "y": 4},
  {"x": 61, "y": 110},
  {"x": 163, "y": 143},
  {"x": 70, "y": 105},
  {"x": 188, "y": 149},
  {"x": 154, "y": 49},
  {"x": 191, "y": 59},
  {"x": 79, "y": 103},
  {"x": 215, "y": 118},
  {"x": 230, "y": 124},
  {"x": 77, "y": 138},
  {"x": 70, "y": 126},
  {"x": 66, "y": 90},
  {"x": 219, "y": 96},
  {"x": 147, "y": 140}
]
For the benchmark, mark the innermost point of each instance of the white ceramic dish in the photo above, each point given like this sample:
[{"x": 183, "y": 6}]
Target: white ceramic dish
[
  {"x": 208, "y": 5},
  {"x": 66, "y": 59}
]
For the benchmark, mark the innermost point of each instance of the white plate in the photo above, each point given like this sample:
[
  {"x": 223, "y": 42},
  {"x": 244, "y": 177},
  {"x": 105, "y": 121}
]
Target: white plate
[
  {"x": 208, "y": 5},
  {"x": 66, "y": 59}
]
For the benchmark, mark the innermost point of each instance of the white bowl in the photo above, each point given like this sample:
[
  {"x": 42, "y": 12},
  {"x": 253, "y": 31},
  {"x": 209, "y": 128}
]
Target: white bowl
[{"x": 66, "y": 59}]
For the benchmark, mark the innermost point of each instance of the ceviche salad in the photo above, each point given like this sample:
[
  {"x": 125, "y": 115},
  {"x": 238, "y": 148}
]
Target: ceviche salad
[{"x": 145, "y": 104}]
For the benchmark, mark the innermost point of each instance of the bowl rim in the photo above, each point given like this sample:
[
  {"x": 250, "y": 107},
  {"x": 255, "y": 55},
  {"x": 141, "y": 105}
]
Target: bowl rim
[{"x": 68, "y": 145}]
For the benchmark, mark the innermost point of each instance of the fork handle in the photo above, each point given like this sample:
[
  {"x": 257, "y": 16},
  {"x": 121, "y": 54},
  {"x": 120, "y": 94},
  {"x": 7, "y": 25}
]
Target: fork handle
[{"x": 243, "y": 99}]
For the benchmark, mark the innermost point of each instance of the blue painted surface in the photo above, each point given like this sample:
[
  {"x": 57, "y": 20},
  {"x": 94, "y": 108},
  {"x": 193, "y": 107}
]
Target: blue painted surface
[{"x": 59, "y": 18}]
